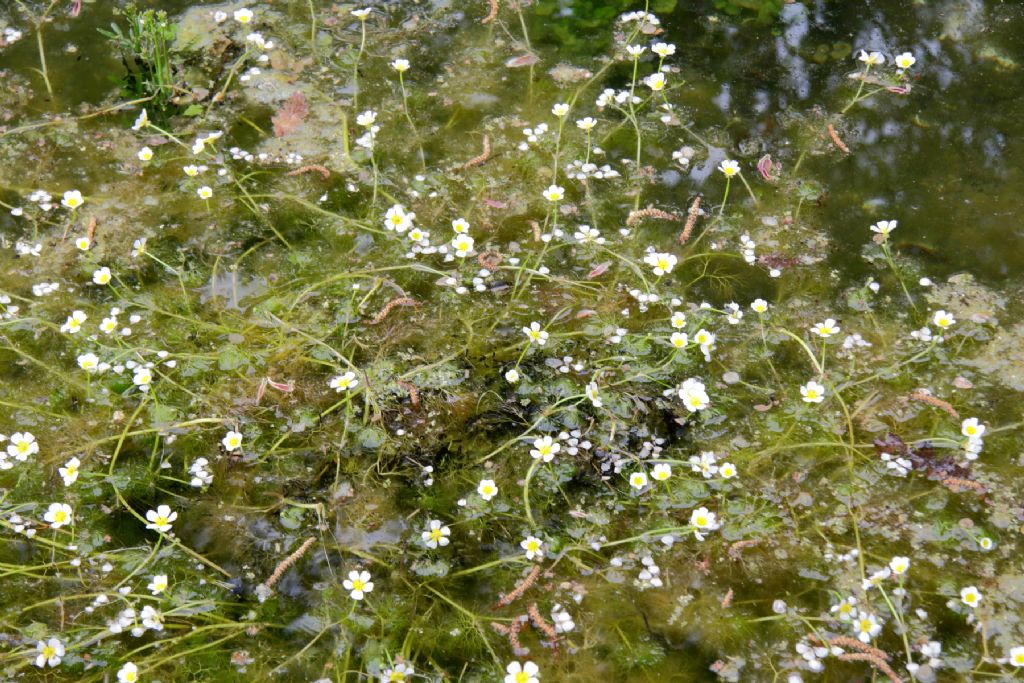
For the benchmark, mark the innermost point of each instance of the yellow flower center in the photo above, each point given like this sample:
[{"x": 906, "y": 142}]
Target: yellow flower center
[
  {"x": 522, "y": 677},
  {"x": 131, "y": 677},
  {"x": 865, "y": 625},
  {"x": 160, "y": 520},
  {"x": 60, "y": 516},
  {"x": 845, "y": 608},
  {"x": 396, "y": 676},
  {"x": 23, "y": 446},
  {"x": 533, "y": 546},
  {"x": 701, "y": 520},
  {"x": 435, "y": 534},
  {"x": 358, "y": 584},
  {"x": 811, "y": 393},
  {"x": 49, "y": 651}
]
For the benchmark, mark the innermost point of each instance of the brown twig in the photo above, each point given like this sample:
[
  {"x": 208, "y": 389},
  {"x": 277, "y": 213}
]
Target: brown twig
[
  {"x": 312, "y": 167},
  {"x": 836, "y": 140},
  {"x": 400, "y": 301},
  {"x": 727, "y": 600},
  {"x": 691, "y": 220},
  {"x": 735, "y": 548},
  {"x": 493, "y": 14},
  {"x": 287, "y": 562},
  {"x": 877, "y": 662},
  {"x": 536, "y": 230},
  {"x": 90, "y": 233},
  {"x": 850, "y": 643},
  {"x": 650, "y": 212},
  {"x": 933, "y": 401},
  {"x": 480, "y": 158},
  {"x": 520, "y": 588}
]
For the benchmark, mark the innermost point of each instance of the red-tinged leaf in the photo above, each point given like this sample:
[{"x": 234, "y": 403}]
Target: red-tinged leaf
[
  {"x": 281, "y": 386},
  {"x": 599, "y": 270},
  {"x": 495, "y": 204},
  {"x": 291, "y": 115},
  {"x": 528, "y": 59}
]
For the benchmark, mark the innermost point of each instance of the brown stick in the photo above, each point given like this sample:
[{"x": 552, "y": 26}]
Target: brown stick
[
  {"x": 836, "y": 140},
  {"x": 691, "y": 220},
  {"x": 493, "y": 15},
  {"x": 933, "y": 401},
  {"x": 312, "y": 167},
  {"x": 520, "y": 588},
  {"x": 481, "y": 158},
  {"x": 400, "y": 301},
  {"x": 538, "y": 621},
  {"x": 287, "y": 562}
]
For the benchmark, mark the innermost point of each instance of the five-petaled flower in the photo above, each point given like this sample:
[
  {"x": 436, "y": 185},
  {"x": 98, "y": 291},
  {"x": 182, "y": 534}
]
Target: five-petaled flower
[
  {"x": 358, "y": 584},
  {"x": 161, "y": 519}
]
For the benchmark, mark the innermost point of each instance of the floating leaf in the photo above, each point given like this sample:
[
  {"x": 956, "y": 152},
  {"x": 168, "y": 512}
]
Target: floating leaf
[{"x": 291, "y": 115}]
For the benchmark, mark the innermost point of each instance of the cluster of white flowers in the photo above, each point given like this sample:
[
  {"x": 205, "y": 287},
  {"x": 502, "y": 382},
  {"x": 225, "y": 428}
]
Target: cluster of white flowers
[
  {"x": 20, "y": 445},
  {"x": 973, "y": 430},
  {"x": 201, "y": 475},
  {"x": 650, "y": 574}
]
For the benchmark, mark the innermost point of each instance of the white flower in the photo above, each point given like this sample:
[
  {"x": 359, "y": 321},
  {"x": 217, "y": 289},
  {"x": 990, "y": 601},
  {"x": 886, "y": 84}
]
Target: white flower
[
  {"x": 971, "y": 428},
  {"x": 661, "y": 263},
  {"x": 759, "y": 306},
  {"x": 50, "y": 652},
  {"x": 72, "y": 199},
  {"x": 204, "y": 192},
  {"x": 899, "y": 565},
  {"x": 905, "y": 61},
  {"x": 655, "y": 81},
  {"x": 638, "y": 480},
  {"x": 883, "y": 228},
  {"x": 400, "y": 65},
  {"x": 942, "y": 319},
  {"x": 83, "y": 243},
  {"x": 636, "y": 50},
  {"x": 704, "y": 464},
  {"x": 129, "y": 673},
  {"x": 812, "y": 392},
  {"x": 545, "y": 449},
  {"x": 141, "y": 121},
  {"x": 512, "y": 376},
  {"x": 591, "y": 392},
  {"x": 679, "y": 340},
  {"x": 586, "y": 124},
  {"x": 232, "y": 441},
  {"x": 436, "y": 534},
  {"x": 361, "y": 14},
  {"x": 161, "y": 519},
  {"x": 533, "y": 546},
  {"x": 243, "y": 16},
  {"x": 145, "y": 154},
  {"x": 58, "y": 515},
  {"x": 460, "y": 225},
  {"x": 344, "y": 382},
  {"x": 535, "y": 334},
  {"x": 661, "y": 472},
  {"x": 158, "y": 584},
  {"x": 398, "y": 219},
  {"x": 702, "y": 519},
  {"x": 729, "y": 167},
  {"x": 142, "y": 378},
  {"x": 693, "y": 395},
  {"x": 151, "y": 618},
  {"x": 826, "y": 329},
  {"x": 522, "y": 673},
  {"x": 871, "y": 58},
  {"x": 1017, "y": 656},
  {"x": 462, "y": 244},
  {"x": 846, "y": 609},
  {"x": 367, "y": 118},
  {"x": 866, "y": 626},
  {"x": 562, "y": 620},
  {"x": 560, "y": 109},
  {"x": 101, "y": 276},
  {"x": 358, "y": 584},
  {"x": 487, "y": 489},
  {"x": 663, "y": 49},
  {"x": 74, "y": 322},
  {"x": 554, "y": 193},
  {"x": 970, "y": 596},
  {"x": 22, "y": 445},
  {"x": 678, "y": 320},
  {"x": 89, "y": 362},
  {"x": 727, "y": 470},
  {"x": 70, "y": 471},
  {"x": 400, "y": 674}
]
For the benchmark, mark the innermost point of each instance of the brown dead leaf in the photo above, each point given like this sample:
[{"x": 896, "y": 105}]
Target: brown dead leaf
[{"x": 291, "y": 115}]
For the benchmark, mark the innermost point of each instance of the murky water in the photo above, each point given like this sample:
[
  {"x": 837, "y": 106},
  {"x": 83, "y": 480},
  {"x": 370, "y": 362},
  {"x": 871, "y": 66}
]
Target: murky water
[{"x": 243, "y": 307}]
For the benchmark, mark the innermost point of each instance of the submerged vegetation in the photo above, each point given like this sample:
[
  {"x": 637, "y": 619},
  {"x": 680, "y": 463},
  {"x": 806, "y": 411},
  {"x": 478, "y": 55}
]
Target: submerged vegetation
[{"x": 346, "y": 343}]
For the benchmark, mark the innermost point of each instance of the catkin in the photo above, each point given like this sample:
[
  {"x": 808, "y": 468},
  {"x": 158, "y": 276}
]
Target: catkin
[
  {"x": 400, "y": 301},
  {"x": 520, "y": 588},
  {"x": 877, "y": 662},
  {"x": 650, "y": 212},
  {"x": 480, "y": 158},
  {"x": 691, "y": 220},
  {"x": 493, "y": 13},
  {"x": 836, "y": 140},
  {"x": 312, "y": 167},
  {"x": 933, "y": 401},
  {"x": 288, "y": 562},
  {"x": 538, "y": 622}
]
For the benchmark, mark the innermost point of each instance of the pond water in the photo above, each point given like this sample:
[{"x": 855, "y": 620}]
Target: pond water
[{"x": 450, "y": 364}]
